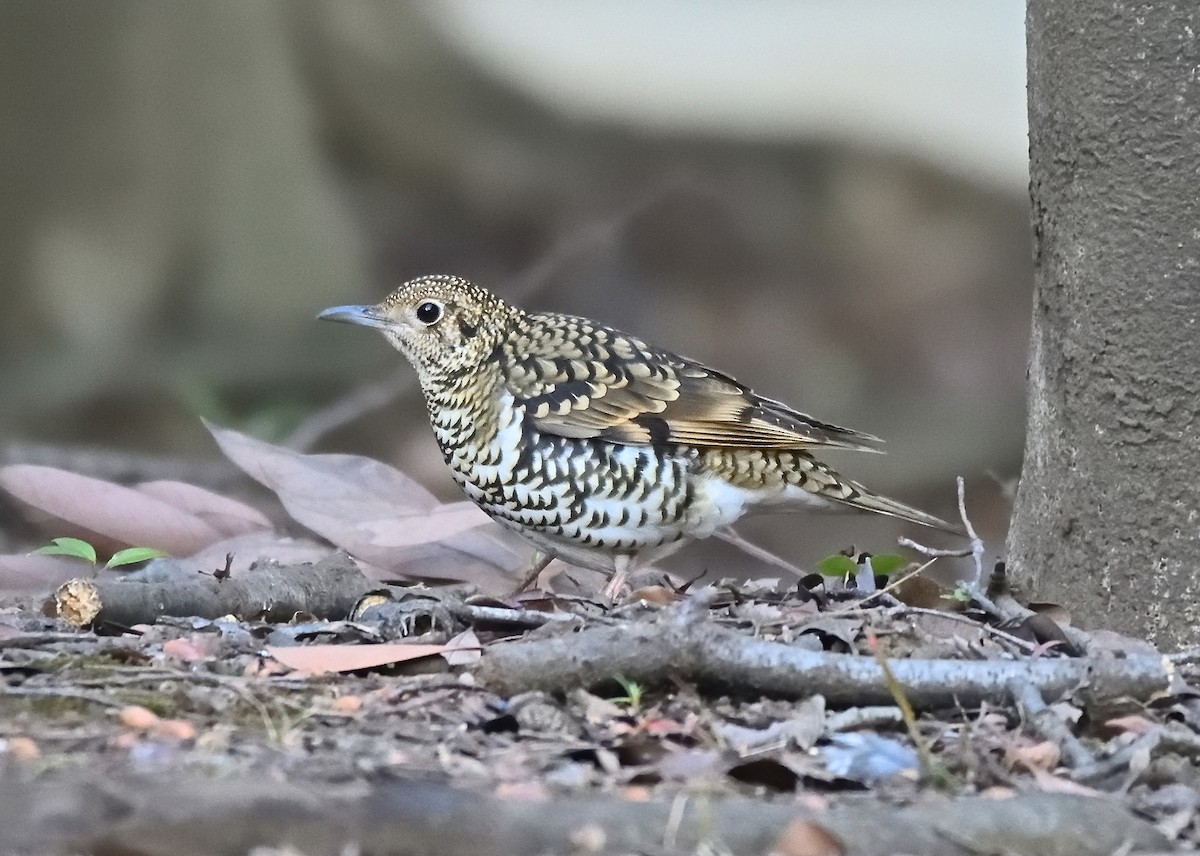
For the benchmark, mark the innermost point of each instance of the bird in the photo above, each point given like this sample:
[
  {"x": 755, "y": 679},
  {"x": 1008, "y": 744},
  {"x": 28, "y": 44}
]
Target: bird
[{"x": 598, "y": 448}]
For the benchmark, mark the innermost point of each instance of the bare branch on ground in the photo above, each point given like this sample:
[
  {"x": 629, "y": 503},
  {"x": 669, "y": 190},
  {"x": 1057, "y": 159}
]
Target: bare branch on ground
[
  {"x": 234, "y": 816},
  {"x": 707, "y": 654},
  {"x": 1046, "y": 724},
  {"x": 328, "y": 589}
]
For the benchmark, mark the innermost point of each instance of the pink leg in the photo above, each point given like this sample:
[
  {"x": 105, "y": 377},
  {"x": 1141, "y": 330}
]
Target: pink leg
[{"x": 619, "y": 578}]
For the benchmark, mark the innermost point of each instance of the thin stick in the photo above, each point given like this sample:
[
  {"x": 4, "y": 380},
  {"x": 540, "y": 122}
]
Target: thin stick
[
  {"x": 975, "y": 586},
  {"x": 932, "y": 552},
  {"x": 1001, "y": 635},
  {"x": 1040, "y": 719},
  {"x": 760, "y": 553},
  {"x": 871, "y": 716},
  {"x": 61, "y": 692},
  {"x": 976, "y": 541},
  {"x": 893, "y": 584}
]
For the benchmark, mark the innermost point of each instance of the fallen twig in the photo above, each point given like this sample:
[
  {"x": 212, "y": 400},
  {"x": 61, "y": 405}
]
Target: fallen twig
[
  {"x": 101, "y": 699},
  {"x": 1046, "y": 724},
  {"x": 933, "y": 552},
  {"x": 892, "y": 585},
  {"x": 996, "y": 632},
  {"x": 761, "y": 553},
  {"x": 328, "y": 588},
  {"x": 181, "y": 817},
  {"x": 871, "y": 716},
  {"x": 975, "y": 551},
  {"x": 1006, "y": 609},
  {"x": 1002, "y": 608},
  {"x": 517, "y": 619},
  {"x": 707, "y": 654},
  {"x": 1119, "y": 761},
  {"x": 36, "y": 640}
]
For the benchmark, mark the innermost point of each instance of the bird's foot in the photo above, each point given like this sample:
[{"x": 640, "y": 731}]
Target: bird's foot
[
  {"x": 619, "y": 580},
  {"x": 615, "y": 586}
]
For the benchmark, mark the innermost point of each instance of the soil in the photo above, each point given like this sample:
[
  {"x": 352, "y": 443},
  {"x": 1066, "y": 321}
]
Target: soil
[{"x": 191, "y": 735}]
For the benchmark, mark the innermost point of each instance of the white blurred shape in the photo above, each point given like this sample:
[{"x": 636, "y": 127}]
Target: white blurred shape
[{"x": 943, "y": 80}]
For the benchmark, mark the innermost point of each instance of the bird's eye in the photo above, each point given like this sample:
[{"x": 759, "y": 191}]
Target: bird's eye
[{"x": 429, "y": 312}]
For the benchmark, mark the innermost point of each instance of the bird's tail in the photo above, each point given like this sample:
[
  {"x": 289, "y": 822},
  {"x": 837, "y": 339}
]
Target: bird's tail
[
  {"x": 794, "y": 478},
  {"x": 867, "y": 501},
  {"x": 802, "y": 469}
]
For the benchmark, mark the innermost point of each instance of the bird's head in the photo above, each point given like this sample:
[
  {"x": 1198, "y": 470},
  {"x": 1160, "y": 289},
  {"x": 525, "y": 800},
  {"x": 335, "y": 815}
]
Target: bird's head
[{"x": 444, "y": 325}]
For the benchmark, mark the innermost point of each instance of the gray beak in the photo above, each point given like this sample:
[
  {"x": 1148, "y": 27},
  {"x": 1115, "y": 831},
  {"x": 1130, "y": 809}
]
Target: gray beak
[{"x": 367, "y": 316}]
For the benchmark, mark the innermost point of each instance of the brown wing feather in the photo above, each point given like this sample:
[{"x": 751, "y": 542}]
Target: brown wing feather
[{"x": 578, "y": 379}]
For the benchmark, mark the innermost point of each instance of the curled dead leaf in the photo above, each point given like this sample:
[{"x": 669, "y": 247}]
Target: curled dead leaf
[
  {"x": 127, "y": 517},
  {"x": 1043, "y": 755},
  {"x": 381, "y": 516},
  {"x": 227, "y": 516},
  {"x": 320, "y": 659},
  {"x": 138, "y": 718},
  {"x": 23, "y": 573}
]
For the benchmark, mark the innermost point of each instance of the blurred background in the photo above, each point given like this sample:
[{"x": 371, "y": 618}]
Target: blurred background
[{"x": 826, "y": 200}]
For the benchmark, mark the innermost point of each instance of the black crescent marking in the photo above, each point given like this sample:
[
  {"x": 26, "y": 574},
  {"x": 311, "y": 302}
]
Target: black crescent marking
[{"x": 657, "y": 427}]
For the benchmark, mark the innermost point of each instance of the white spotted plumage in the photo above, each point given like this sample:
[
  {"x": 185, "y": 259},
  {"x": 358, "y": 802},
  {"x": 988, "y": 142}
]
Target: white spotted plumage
[{"x": 594, "y": 445}]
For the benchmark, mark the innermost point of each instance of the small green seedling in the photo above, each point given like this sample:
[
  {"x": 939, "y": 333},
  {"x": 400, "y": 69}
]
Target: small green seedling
[
  {"x": 959, "y": 594},
  {"x": 80, "y": 549},
  {"x": 634, "y": 693},
  {"x": 886, "y": 564},
  {"x": 837, "y": 565},
  {"x": 841, "y": 565}
]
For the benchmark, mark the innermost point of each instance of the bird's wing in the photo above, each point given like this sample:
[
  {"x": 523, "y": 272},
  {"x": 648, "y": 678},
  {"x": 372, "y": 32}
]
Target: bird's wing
[{"x": 578, "y": 379}]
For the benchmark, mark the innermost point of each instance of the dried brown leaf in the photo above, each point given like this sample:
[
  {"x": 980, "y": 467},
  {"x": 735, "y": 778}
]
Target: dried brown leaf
[
  {"x": 193, "y": 650},
  {"x": 924, "y": 593},
  {"x": 21, "y": 748},
  {"x": 436, "y": 524},
  {"x": 465, "y": 649},
  {"x": 1131, "y": 724},
  {"x": 844, "y": 629},
  {"x": 660, "y": 595},
  {"x": 595, "y": 708},
  {"x": 801, "y": 730},
  {"x": 1043, "y": 755},
  {"x": 254, "y": 549},
  {"x": 807, "y": 723},
  {"x": 227, "y": 516},
  {"x": 138, "y": 718},
  {"x": 121, "y": 514},
  {"x": 319, "y": 659},
  {"x": 380, "y": 515},
  {"x": 1056, "y": 612},
  {"x": 21, "y": 573}
]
